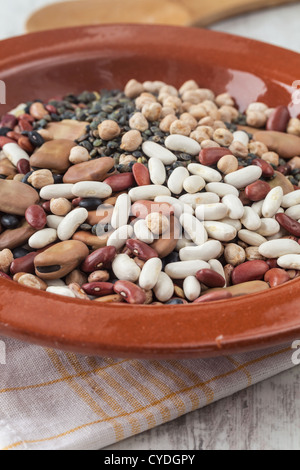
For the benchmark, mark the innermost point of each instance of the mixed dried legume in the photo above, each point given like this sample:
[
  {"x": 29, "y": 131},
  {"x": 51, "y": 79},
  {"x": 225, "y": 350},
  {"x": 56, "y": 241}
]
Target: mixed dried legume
[{"x": 149, "y": 196}]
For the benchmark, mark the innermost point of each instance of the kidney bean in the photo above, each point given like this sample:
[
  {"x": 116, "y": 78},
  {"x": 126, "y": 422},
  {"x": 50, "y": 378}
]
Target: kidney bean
[
  {"x": 4, "y": 276},
  {"x": 213, "y": 296},
  {"x": 276, "y": 277},
  {"x": 24, "y": 264},
  {"x": 284, "y": 169},
  {"x": 98, "y": 289},
  {"x": 279, "y": 119},
  {"x": 13, "y": 135},
  {"x": 249, "y": 271},
  {"x": 210, "y": 278},
  {"x": 50, "y": 108},
  {"x": 272, "y": 263},
  {"x": 211, "y": 156},
  {"x": 267, "y": 169},
  {"x": 46, "y": 206},
  {"x": 8, "y": 120},
  {"x": 130, "y": 292},
  {"x": 27, "y": 117},
  {"x": 36, "y": 217},
  {"x": 257, "y": 191},
  {"x": 23, "y": 166},
  {"x": 120, "y": 182},
  {"x": 25, "y": 144},
  {"x": 6, "y": 140},
  {"x": 291, "y": 225},
  {"x": 100, "y": 258},
  {"x": 25, "y": 125},
  {"x": 141, "y": 249},
  {"x": 141, "y": 174}
]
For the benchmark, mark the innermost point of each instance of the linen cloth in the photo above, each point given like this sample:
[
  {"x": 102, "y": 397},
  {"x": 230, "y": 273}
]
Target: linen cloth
[{"x": 53, "y": 400}]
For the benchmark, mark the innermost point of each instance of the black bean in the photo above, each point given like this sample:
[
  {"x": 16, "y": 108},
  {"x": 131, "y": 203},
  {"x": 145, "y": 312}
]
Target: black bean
[
  {"x": 58, "y": 179},
  {"x": 2, "y": 177},
  {"x": 175, "y": 302},
  {"x": 48, "y": 269},
  {"x": 20, "y": 252},
  {"x": 36, "y": 139},
  {"x": 90, "y": 204},
  {"x": 4, "y": 130},
  {"x": 10, "y": 221}
]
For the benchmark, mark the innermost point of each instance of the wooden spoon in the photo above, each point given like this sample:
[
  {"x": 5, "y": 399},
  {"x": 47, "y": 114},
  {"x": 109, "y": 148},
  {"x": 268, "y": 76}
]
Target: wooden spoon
[{"x": 171, "y": 12}]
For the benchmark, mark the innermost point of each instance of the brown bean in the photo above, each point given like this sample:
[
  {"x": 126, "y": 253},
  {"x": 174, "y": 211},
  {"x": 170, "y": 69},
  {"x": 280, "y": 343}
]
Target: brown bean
[
  {"x": 76, "y": 277},
  {"x": 109, "y": 299},
  {"x": 289, "y": 224},
  {"x": 101, "y": 258},
  {"x": 29, "y": 280},
  {"x": 130, "y": 292},
  {"x": 78, "y": 291},
  {"x": 120, "y": 182},
  {"x": 98, "y": 276},
  {"x": 276, "y": 277},
  {"x": 214, "y": 296},
  {"x": 286, "y": 145},
  {"x": 93, "y": 241},
  {"x": 141, "y": 249},
  {"x": 141, "y": 174},
  {"x": 249, "y": 271},
  {"x": 210, "y": 278}
]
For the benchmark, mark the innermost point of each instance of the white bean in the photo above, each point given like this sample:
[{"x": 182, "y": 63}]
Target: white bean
[
  {"x": 269, "y": 227},
  {"x": 152, "y": 149},
  {"x": 282, "y": 233},
  {"x": 193, "y": 184},
  {"x": 91, "y": 189},
  {"x": 176, "y": 180},
  {"x": 150, "y": 273},
  {"x": 222, "y": 189},
  {"x": 241, "y": 178},
  {"x": 121, "y": 211},
  {"x": 272, "y": 202},
  {"x": 242, "y": 137},
  {"x": 183, "y": 269},
  {"x": 199, "y": 198},
  {"x": 234, "y": 205},
  {"x": 289, "y": 261},
  {"x": 234, "y": 223},
  {"x": 257, "y": 207},
  {"x": 71, "y": 222},
  {"x": 142, "y": 232},
  {"x": 181, "y": 143},
  {"x": 55, "y": 283},
  {"x": 178, "y": 206},
  {"x": 157, "y": 171},
  {"x": 250, "y": 219},
  {"x": 125, "y": 268},
  {"x": 215, "y": 211},
  {"x": 277, "y": 248},
  {"x": 56, "y": 191},
  {"x": 294, "y": 212},
  {"x": 183, "y": 242},
  {"x": 252, "y": 238},
  {"x": 53, "y": 221},
  {"x": 148, "y": 192},
  {"x": 291, "y": 199},
  {"x": 210, "y": 249},
  {"x": 164, "y": 289},
  {"x": 208, "y": 174},
  {"x": 120, "y": 236},
  {"x": 220, "y": 231},
  {"x": 194, "y": 228},
  {"x": 191, "y": 288},
  {"x": 61, "y": 290},
  {"x": 15, "y": 153},
  {"x": 42, "y": 238},
  {"x": 217, "y": 266}
]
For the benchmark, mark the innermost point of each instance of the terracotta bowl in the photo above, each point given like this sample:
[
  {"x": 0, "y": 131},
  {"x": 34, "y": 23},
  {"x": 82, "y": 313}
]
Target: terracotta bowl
[{"x": 52, "y": 63}]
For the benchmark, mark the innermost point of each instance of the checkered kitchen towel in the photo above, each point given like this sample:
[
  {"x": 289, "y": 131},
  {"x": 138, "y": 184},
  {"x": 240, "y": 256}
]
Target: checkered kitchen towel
[{"x": 51, "y": 400}]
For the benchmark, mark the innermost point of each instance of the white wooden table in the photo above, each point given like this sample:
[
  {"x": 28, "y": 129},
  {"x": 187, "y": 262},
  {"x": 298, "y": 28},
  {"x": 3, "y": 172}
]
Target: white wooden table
[{"x": 265, "y": 416}]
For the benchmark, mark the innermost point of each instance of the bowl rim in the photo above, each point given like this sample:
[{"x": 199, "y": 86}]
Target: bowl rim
[{"x": 122, "y": 330}]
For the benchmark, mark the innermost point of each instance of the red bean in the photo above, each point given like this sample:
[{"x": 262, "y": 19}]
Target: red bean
[
  {"x": 244, "y": 199},
  {"x": 130, "y": 292},
  {"x": 210, "y": 156},
  {"x": 98, "y": 289},
  {"x": 25, "y": 125},
  {"x": 290, "y": 225},
  {"x": 27, "y": 117},
  {"x": 100, "y": 258},
  {"x": 213, "y": 296},
  {"x": 13, "y": 135},
  {"x": 257, "y": 191},
  {"x": 141, "y": 249},
  {"x": 284, "y": 169},
  {"x": 249, "y": 271},
  {"x": 5, "y": 276},
  {"x": 36, "y": 217},
  {"x": 120, "y": 182},
  {"x": 267, "y": 169},
  {"x": 210, "y": 278},
  {"x": 6, "y": 140},
  {"x": 25, "y": 264},
  {"x": 76, "y": 201},
  {"x": 272, "y": 263},
  {"x": 46, "y": 206},
  {"x": 25, "y": 144},
  {"x": 8, "y": 120},
  {"x": 23, "y": 166},
  {"x": 276, "y": 277},
  {"x": 141, "y": 174},
  {"x": 279, "y": 119},
  {"x": 51, "y": 109}
]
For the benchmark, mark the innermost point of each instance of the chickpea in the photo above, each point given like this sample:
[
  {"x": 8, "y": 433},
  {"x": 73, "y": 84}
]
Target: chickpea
[
  {"x": 208, "y": 121},
  {"x": 109, "y": 130},
  {"x": 258, "y": 148},
  {"x": 60, "y": 206},
  {"x": 206, "y": 144},
  {"x": 166, "y": 122},
  {"x": 272, "y": 157},
  {"x": 152, "y": 111},
  {"x": 252, "y": 253},
  {"x": 6, "y": 258},
  {"x": 188, "y": 86},
  {"x": 294, "y": 126},
  {"x": 153, "y": 87},
  {"x": 157, "y": 223},
  {"x": 228, "y": 113},
  {"x": 131, "y": 141},
  {"x": 224, "y": 99},
  {"x": 258, "y": 106},
  {"x": 133, "y": 89},
  {"x": 41, "y": 178},
  {"x": 139, "y": 122},
  {"x": 234, "y": 254},
  {"x": 173, "y": 102},
  {"x": 79, "y": 154},
  {"x": 294, "y": 163},
  {"x": 223, "y": 137},
  {"x": 166, "y": 110},
  {"x": 238, "y": 149},
  {"x": 143, "y": 99},
  {"x": 228, "y": 164},
  {"x": 256, "y": 119},
  {"x": 186, "y": 106},
  {"x": 219, "y": 125},
  {"x": 198, "y": 111},
  {"x": 169, "y": 90},
  {"x": 180, "y": 127},
  {"x": 189, "y": 119},
  {"x": 202, "y": 133},
  {"x": 126, "y": 159}
]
